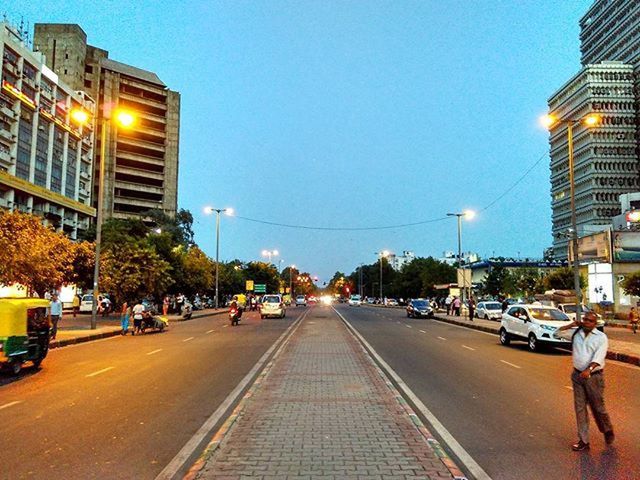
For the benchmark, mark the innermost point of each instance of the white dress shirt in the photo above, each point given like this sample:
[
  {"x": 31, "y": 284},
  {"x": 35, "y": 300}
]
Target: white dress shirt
[{"x": 588, "y": 349}]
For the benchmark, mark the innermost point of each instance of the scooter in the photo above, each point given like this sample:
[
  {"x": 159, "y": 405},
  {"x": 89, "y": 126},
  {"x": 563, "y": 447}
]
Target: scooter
[
  {"x": 234, "y": 315},
  {"x": 186, "y": 311},
  {"x": 155, "y": 323}
]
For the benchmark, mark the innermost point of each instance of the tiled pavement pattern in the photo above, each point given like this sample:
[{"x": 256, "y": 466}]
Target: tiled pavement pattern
[{"x": 323, "y": 412}]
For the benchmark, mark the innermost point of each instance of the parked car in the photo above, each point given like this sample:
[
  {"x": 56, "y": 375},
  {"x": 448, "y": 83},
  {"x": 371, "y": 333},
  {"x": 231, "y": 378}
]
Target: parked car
[
  {"x": 489, "y": 310},
  {"x": 301, "y": 300},
  {"x": 355, "y": 300},
  {"x": 535, "y": 324},
  {"x": 272, "y": 306},
  {"x": 570, "y": 310},
  {"x": 392, "y": 302},
  {"x": 419, "y": 308}
]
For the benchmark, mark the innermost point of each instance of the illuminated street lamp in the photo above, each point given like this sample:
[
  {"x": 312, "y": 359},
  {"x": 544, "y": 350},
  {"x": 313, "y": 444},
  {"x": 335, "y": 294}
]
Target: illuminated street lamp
[
  {"x": 270, "y": 253},
  {"x": 383, "y": 253},
  {"x": 123, "y": 119},
  {"x": 469, "y": 215},
  {"x": 590, "y": 121},
  {"x": 208, "y": 211}
]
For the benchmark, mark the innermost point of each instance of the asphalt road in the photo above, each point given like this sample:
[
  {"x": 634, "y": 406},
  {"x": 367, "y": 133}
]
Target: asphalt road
[
  {"x": 123, "y": 407},
  {"x": 510, "y": 409}
]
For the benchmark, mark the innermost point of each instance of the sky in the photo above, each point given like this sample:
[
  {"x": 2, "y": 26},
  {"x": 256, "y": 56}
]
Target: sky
[{"x": 351, "y": 114}]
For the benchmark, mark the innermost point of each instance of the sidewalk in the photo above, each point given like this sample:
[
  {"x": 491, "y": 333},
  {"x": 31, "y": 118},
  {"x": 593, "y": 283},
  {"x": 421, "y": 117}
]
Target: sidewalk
[
  {"x": 323, "y": 410},
  {"x": 78, "y": 330}
]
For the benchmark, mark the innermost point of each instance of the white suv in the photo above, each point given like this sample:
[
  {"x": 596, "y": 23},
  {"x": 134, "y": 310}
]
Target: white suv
[
  {"x": 272, "y": 306},
  {"x": 535, "y": 324},
  {"x": 355, "y": 300}
]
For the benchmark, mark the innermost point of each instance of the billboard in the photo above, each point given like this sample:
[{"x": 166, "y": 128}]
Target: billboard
[
  {"x": 626, "y": 246},
  {"x": 593, "y": 248}
]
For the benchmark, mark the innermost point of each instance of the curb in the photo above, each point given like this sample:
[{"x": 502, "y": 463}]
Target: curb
[{"x": 611, "y": 355}]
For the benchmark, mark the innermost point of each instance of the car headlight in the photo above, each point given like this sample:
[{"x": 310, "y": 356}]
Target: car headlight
[{"x": 548, "y": 328}]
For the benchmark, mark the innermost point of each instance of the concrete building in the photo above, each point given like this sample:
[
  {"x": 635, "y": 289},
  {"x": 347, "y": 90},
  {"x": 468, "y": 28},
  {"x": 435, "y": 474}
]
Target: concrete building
[
  {"x": 45, "y": 159},
  {"x": 451, "y": 258},
  {"x": 141, "y": 171},
  {"x": 398, "y": 261},
  {"x": 606, "y": 164}
]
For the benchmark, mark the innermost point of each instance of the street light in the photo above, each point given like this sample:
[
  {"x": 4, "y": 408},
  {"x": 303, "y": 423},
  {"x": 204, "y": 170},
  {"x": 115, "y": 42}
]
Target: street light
[
  {"x": 270, "y": 253},
  {"x": 208, "y": 211},
  {"x": 124, "y": 119},
  {"x": 383, "y": 253},
  {"x": 291, "y": 267},
  {"x": 591, "y": 120},
  {"x": 469, "y": 215}
]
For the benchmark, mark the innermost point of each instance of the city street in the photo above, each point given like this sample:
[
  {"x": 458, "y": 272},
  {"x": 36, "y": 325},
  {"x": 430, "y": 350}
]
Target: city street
[
  {"x": 123, "y": 407},
  {"x": 510, "y": 409}
]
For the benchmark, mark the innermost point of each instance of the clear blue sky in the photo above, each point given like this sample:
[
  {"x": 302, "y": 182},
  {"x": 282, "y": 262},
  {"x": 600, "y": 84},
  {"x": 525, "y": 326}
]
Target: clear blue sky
[{"x": 351, "y": 114}]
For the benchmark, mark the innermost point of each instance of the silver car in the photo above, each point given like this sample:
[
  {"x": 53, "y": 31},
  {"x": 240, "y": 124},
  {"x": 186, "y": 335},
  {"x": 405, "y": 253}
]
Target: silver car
[{"x": 489, "y": 310}]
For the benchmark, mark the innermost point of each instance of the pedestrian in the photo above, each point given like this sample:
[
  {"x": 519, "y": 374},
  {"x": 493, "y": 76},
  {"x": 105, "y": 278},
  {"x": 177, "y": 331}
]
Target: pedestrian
[
  {"x": 165, "y": 305},
  {"x": 47, "y": 295},
  {"x": 55, "y": 314},
  {"x": 447, "y": 303},
  {"x": 633, "y": 319},
  {"x": 76, "y": 305},
  {"x": 137, "y": 312},
  {"x": 455, "y": 305},
  {"x": 588, "y": 353},
  {"x": 472, "y": 308},
  {"x": 125, "y": 315},
  {"x": 505, "y": 304}
]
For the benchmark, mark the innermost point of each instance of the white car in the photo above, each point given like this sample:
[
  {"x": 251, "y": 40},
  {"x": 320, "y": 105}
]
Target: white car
[
  {"x": 272, "y": 306},
  {"x": 392, "y": 302},
  {"x": 301, "y": 300},
  {"x": 355, "y": 300},
  {"x": 535, "y": 324},
  {"x": 489, "y": 310}
]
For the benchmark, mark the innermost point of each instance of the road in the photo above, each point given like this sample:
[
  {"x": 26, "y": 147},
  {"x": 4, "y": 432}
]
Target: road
[
  {"x": 510, "y": 409},
  {"x": 123, "y": 407}
]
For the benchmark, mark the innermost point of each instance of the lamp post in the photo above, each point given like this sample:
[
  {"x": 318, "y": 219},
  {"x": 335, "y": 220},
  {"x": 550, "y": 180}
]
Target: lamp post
[
  {"x": 125, "y": 119},
  {"x": 270, "y": 253},
  {"x": 590, "y": 120},
  {"x": 383, "y": 253},
  {"x": 228, "y": 211},
  {"x": 291, "y": 267},
  {"x": 468, "y": 214}
]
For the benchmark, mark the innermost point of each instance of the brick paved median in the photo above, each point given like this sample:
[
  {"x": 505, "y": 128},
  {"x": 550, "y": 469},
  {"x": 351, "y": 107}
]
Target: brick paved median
[{"x": 323, "y": 411}]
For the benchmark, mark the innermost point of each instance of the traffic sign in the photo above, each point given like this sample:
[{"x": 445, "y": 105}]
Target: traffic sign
[
  {"x": 249, "y": 285},
  {"x": 260, "y": 288}
]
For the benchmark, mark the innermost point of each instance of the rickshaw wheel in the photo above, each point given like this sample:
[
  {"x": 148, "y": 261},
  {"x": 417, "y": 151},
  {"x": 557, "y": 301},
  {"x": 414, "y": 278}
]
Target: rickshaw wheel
[
  {"x": 15, "y": 367},
  {"x": 37, "y": 362}
]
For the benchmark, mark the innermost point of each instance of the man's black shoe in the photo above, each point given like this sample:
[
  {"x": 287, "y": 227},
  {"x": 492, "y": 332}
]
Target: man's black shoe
[
  {"x": 609, "y": 437},
  {"x": 580, "y": 446}
]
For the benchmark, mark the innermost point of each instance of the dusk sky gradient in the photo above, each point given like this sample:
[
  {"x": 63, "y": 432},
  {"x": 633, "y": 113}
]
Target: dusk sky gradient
[{"x": 351, "y": 114}]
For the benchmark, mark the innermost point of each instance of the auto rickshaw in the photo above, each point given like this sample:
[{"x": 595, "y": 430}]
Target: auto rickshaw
[{"x": 24, "y": 332}]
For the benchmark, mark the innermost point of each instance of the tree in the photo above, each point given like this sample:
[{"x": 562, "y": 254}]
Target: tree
[
  {"x": 83, "y": 262},
  {"x": 198, "y": 271},
  {"x": 337, "y": 284},
  {"x": 562, "y": 279},
  {"x": 263, "y": 273},
  {"x": 494, "y": 281},
  {"x": 631, "y": 284}
]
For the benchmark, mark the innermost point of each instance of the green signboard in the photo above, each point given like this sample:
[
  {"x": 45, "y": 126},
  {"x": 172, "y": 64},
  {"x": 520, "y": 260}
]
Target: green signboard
[{"x": 260, "y": 288}]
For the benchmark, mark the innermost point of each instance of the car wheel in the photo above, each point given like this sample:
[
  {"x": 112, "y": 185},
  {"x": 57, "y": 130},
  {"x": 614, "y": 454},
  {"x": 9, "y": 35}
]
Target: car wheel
[
  {"x": 262, "y": 317},
  {"x": 408, "y": 315},
  {"x": 533, "y": 344},
  {"x": 505, "y": 338}
]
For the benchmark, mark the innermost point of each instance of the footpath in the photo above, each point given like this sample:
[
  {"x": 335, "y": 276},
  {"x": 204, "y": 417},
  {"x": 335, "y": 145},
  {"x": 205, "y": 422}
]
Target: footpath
[
  {"x": 322, "y": 409},
  {"x": 78, "y": 330}
]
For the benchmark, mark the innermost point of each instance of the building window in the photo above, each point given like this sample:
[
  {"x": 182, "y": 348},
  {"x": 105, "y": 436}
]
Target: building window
[
  {"x": 42, "y": 144},
  {"x": 72, "y": 166},
  {"x": 87, "y": 83},
  {"x": 23, "y": 158},
  {"x": 56, "y": 161}
]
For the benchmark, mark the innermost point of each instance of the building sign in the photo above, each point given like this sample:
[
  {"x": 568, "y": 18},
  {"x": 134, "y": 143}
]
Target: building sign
[
  {"x": 626, "y": 246},
  {"x": 249, "y": 285},
  {"x": 593, "y": 248}
]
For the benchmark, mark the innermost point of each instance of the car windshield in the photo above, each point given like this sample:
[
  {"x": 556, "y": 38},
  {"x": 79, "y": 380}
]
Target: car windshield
[
  {"x": 300, "y": 297},
  {"x": 571, "y": 308},
  {"x": 420, "y": 304},
  {"x": 493, "y": 306},
  {"x": 271, "y": 300},
  {"x": 548, "y": 314}
]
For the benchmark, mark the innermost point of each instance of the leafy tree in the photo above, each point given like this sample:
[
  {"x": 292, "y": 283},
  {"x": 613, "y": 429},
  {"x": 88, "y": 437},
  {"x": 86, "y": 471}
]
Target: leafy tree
[
  {"x": 494, "y": 281},
  {"x": 198, "y": 271},
  {"x": 83, "y": 262},
  {"x": 337, "y": 284},
  {"x": 528, "y": 281},
  {"x": 631, "y": 284},
  {"x": 262, "y": 272},
  {"x": 562, "y": 279},
  {"x": 231, "y": 277}
]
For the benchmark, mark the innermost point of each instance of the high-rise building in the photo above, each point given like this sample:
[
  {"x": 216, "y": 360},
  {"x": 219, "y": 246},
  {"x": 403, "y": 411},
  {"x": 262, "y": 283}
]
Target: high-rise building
[
  {"x": 141, "y": 171},
  {"x": 45, "y": 159},
  {"x": 605, "y": 162}
]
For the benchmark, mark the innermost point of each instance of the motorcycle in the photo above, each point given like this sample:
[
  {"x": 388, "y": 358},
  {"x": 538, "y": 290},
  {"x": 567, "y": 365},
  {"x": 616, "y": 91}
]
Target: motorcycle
[
  {"x": 186, "y": 311},
  {"x": 155, "y": 323},
  {"x": 234, "y": 315}
]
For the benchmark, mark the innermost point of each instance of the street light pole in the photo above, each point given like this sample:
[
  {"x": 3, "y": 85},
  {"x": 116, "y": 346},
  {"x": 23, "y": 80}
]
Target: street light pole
[
  {"x": 467, "y": 214},
  {"x": 291, "y": 267},
  {"x": 218, "y": 212},
  {"x": 383, "y": 253}
]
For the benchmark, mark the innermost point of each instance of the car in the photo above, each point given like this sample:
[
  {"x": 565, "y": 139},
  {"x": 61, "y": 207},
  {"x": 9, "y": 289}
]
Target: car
[
  {"x": 301, "y": 300},
  {"x": 489, "y": 310},
  {"x": 419, "y": 308},
  {"x": 355, "y": 300},
  {"x": 272, "y": 306},
  {"x": 86, "y": 303},
  {"x": 392, "y": 302},
  {"x": 312, "y": 299},
  {"x": 535, "y": 324},
  {"x": 371, "y": 300},
  {"x": 570, "y": 310}
]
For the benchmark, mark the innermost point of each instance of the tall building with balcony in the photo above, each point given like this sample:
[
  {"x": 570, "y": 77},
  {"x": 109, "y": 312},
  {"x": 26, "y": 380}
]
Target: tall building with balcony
[
  {"x": 141, "y": 163},
  {"x": 46, "y": 161},
  {"x": 605, "y": 161}
]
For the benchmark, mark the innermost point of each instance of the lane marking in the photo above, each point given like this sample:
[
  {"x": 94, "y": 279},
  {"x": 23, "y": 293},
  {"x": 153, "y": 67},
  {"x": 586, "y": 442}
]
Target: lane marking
[
  {"x": 422, "y": 331},
  {"x": 99, "y": 372},
  {"x": 10, "y": 404},
  {"x": 441, "y": 338},
  {"x": 209, "y": 331},
  {"x": 187, "y": 339},
  {"x": 408, "y": 326},
  {"x": 225, "y": 325},
  {"x": 568, "y": 387},
  {"x": 155, "y": 351},
  {"x": 468, "y": 348},
  {"x": 511, "y": 364}
]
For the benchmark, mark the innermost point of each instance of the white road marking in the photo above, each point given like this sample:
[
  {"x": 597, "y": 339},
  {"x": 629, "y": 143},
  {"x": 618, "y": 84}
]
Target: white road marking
[
  {"x": 422, "y": 331},
  {"x": 442, "y": 338},
  {"x": 511, "y": 364},
  {"x": 187, "y": 339},
  {"x": 99, "y": 372},
  {"x": 568, "y": 387},
  {"x": 209, "y": 331},
  {"x": 468, "y": 348},
  {"x": 225, "y": 325},
  {"x": 154, "y": 351},
  {"x": 10, "y": 404},
  {"x": 408, "y": 326}
]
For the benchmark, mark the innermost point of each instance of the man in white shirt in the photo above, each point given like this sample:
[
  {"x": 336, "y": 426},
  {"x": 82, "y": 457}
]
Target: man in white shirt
[
  {"x": 589, "y": 352},
  {"x": 55, "y": 314},
  {"x": 137, "y": 312}
]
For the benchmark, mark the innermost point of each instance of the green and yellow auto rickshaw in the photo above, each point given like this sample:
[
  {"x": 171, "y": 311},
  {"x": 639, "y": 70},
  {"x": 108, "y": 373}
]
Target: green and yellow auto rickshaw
[{"x": 24, "y": 332}]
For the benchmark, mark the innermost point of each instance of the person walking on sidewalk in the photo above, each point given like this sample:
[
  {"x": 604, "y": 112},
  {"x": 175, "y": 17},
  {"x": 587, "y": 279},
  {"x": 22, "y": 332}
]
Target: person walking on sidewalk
[
  {"x": 456, "y": 303},
  {"x": 55, "y": 314},
  {"x": 75, "y": 305},
  {"x": 472, "y": 308},
  {"x": 124, "y": 318},
  {"x": 589, "y": 352},
  {"x": 137, "y": 311},
  {"x": 447, "y": 303},
  {"x": 633, "y": 319},
  {"x": 165, "y": 305}
]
